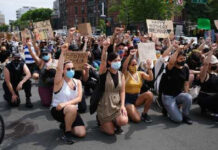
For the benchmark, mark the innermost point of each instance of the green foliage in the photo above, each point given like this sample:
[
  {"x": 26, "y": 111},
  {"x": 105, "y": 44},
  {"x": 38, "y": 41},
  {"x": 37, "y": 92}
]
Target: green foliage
[
  {"x": 137, "y": 11},
  {"x": 4, "y": 28},
  {"x": 102, "y": 25},
  {"x": 36, "y": 15}
]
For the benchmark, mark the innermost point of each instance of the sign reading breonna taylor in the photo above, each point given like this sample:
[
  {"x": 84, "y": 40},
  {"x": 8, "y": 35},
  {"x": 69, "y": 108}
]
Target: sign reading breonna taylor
[{"x": 160, "y": 28}]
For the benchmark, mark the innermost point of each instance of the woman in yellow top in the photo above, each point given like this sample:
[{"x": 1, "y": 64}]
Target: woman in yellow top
[{"x": 134, "y": 82}]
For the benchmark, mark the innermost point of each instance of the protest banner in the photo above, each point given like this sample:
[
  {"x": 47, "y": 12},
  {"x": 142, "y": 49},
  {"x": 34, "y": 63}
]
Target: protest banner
[
  {"x": 146, "y": 51},
  {"x": 160, "y": 28},
  {"x": 204, "y": 24},
  {"x": 216, "y": 24},
  {"x": 43, "y": 30},
  {"x": 179, "y": 30},
  {"x": 85, "y": 29},
  {"x": 79, "y": 59}
]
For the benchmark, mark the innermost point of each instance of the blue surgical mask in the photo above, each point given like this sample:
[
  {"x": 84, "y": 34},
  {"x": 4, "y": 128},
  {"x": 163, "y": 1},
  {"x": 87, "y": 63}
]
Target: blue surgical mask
[
  {"x": 116, "y": 65},
  {"x": 70, "y": 74},
  {"x": 46, "y": 57}
]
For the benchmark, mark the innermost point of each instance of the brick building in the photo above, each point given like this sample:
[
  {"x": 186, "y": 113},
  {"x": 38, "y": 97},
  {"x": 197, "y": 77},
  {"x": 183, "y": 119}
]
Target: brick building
[{"x": 76, "y": 11}]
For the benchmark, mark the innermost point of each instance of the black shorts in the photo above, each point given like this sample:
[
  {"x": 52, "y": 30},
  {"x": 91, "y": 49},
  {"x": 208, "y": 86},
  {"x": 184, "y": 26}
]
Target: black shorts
[
  {"x": 59, "y": 116},
  {"x": 33, "y": 68},
  {"x": 131, "y": 98}
]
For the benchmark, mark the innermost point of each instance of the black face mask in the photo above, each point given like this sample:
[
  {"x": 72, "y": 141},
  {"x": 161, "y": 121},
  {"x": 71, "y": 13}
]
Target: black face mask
[
  {"x": 182, "y": 63},
  {"x": 213, "y": 68},
  {"x": 16, "y": 61}
]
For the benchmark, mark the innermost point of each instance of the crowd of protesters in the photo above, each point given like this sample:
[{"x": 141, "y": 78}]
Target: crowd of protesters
[{"x": 184, "y": 73}]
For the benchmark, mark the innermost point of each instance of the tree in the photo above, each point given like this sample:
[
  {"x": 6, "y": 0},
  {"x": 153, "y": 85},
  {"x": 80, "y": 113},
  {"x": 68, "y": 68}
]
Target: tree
[
  {"x": 102, "y": 25},
  {"x": 4, "y": 28},
  {"x": 36, "y": 15},
  {"x": 137, "y": 11}
]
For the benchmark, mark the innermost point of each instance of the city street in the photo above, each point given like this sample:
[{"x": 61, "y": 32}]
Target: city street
[{"x": 35, "y": 129}]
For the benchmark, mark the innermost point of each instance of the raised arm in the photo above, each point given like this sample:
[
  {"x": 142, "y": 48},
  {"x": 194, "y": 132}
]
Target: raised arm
[
  {"x": 103, "y": 66},
  {"x": 126, "y": 62},
  {"x": 85, "y": 44},
  {"x": 35, "y": 57},
  {"x": 149, "y": 76},
  {"x": 203, "y": 73},
  {"x": 173, "y": 59},
  {"x": 60, "y": 68}
]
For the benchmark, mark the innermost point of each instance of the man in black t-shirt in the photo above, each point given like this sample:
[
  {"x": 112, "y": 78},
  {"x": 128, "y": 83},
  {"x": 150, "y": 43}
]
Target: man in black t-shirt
[
  {"x": 15, "y": 81},
  {"x": 175, "y": 88}
]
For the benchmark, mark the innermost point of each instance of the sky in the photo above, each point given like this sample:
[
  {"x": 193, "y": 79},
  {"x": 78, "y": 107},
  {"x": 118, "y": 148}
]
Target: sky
[{"x": 9, "y": 7}]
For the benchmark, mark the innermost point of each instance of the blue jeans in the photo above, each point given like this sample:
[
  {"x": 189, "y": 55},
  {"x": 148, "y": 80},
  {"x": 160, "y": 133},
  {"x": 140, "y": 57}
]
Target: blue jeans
[{"x": 171, "y": 105}]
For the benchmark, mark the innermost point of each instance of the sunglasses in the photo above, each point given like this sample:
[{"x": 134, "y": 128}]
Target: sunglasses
[
  {"x": 44, "y": 54},
  {"x": 68, "y": 69}
]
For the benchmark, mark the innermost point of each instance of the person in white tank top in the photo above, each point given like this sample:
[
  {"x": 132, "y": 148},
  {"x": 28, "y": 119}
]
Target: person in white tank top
[{"x": 67, "y": 94}]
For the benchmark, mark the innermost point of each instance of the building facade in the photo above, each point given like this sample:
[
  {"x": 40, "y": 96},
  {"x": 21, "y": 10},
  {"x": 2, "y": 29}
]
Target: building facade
[
  {"x": 2, "y": 18},
  {"x": 76, "y": 12},
  {"x": 23, "y": 10}
]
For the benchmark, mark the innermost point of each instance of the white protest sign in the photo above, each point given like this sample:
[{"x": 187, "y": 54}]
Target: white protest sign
[
  {"x": 160, "y": 28},
  {"x": 146, "y": 51},
  {"x": 188, "y": 39},
  {"x": 179, "y": 30}
]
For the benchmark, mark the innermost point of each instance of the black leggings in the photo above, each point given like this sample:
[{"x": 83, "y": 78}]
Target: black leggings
[
  {"x": 8, "y": 95},
  {"x": 208, "y": 102}
]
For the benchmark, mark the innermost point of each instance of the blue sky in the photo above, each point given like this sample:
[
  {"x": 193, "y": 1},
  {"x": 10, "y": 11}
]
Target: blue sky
[{"x": 9, "y": 7}]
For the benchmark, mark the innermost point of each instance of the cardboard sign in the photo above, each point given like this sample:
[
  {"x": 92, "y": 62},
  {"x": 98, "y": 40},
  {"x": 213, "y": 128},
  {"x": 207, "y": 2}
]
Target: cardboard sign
[
  {"x": 43, "y": 30},
  {"x": 146, "y": 51},
  {"x": 159, "y": 28},
  {"x": 25, "y": 34},
  {"x": 216, "y": 24},
  {"x": 79, "y": 59},
  {"x": 85, "y": 29},
  {"x": 2, "y": 35}
]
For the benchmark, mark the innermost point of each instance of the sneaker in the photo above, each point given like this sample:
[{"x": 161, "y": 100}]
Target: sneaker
[
  {"x": 68, "y": 138},
  {"x": 119, "y": 130},
  {"x": 28, "y": 103},
  {"x": 187, "y": 120},
  {"x": 146, "y": 118}
]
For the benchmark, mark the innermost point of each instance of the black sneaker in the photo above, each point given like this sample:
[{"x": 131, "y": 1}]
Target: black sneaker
[
  {"x": 187, "y": 120},
  {"x": 68, "y": 138},
  {"x": 119, "y": 130},
  {"x": 146, "y": 118},
  {"x": 28, "y": 103}
]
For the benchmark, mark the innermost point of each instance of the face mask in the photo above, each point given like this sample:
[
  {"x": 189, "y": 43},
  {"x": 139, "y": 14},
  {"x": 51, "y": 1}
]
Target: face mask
[
  {"x": 213, "y": 68},
  {"x": 116, "y": 65},
  {"x": 46, "y": 57},
  {"x": 133, "y": 69},
  {"x": 70, "y": 74},
  {"x": 182, "y": 63},
  {"x": 120, "y": 52}
]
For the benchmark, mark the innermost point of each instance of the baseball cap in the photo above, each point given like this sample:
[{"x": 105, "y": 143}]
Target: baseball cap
[{"x": 213, "y": 60}]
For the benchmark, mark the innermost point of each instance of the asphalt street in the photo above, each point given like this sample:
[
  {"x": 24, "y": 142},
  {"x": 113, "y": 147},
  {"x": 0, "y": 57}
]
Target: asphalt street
[{"x": 35, "y": 129}]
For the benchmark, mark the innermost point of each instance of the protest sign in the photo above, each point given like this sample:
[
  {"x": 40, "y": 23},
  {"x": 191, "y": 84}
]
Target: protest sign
[
  {"x": 25, "y": 34},
  {"x": 179, "y": 30},
  {"x": 146, "y": 51},
  {"x": 43, "y": 30},
  {"x": 85, "y": 29},
  {"x": 2, "y": 35},
  {"x": 159, "y": 28},
  {"x": 188, "y": 39},
  {"x": 216, "y": 24},
  {"x": 204, "y": 23},
  {"x": 9, "y": 36},
  {"x": 79, "y": 59}
]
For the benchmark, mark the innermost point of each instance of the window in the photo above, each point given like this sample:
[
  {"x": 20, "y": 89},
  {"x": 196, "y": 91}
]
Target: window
[
  {"x": 83, "y": 10},
  {"x": 83, "y": 20},
  {"x": 76, "y": 10}
]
